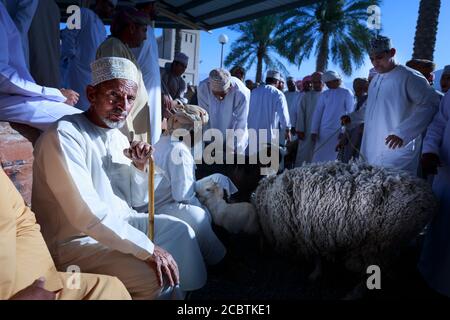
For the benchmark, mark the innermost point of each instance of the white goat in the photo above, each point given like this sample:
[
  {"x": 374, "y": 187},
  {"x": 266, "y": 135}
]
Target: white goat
[{"x": 234, "y": 217}]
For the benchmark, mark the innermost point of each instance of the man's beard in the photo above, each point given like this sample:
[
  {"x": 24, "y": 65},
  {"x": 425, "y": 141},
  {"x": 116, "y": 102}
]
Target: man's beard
[{"x": 115, "y": 124}]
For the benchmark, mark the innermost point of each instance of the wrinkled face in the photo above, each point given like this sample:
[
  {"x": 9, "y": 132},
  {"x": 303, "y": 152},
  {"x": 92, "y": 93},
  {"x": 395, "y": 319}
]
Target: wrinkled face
[
  {"x": 111, "y": 102},
  {"x": 383, "y": 62},
  {"x": 138, "y": 34},
  {"x": 333, "y": 84},
  {"x": 445, "y": 82},
  {"x": 178, "y": 68},
  {"x": 307, "y": 86},
  {"x": 317, "y": 83}
]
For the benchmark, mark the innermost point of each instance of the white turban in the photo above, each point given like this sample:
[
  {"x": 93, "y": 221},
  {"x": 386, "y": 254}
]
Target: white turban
[
  {"x": 273, "y": 74},
  {"x": 330, "y": 76},
  {"x": 219, "y": 80},
  {"x": 110, "y": 68}
]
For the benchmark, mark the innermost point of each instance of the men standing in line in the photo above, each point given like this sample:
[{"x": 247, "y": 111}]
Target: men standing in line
[
  {"x": 304, "y": 120},
  {"x": 325, "y": 126},
  {"x": 293, "y": 99}
]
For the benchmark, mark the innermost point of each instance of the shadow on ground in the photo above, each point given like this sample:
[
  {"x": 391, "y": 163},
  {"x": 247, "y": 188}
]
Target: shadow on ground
[{"x": 255, "y": 272}]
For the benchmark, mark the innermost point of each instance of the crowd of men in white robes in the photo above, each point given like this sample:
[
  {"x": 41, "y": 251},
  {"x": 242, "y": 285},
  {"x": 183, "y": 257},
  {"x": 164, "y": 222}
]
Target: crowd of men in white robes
[{"x": 113, "y": 93}]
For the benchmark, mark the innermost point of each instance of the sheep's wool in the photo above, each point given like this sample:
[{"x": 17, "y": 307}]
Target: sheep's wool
[{"x": 357, "y": 212}]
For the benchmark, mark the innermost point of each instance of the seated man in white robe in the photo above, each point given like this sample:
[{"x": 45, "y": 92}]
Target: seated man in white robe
[
  {"x": 87, "y": 180},
  {"x": 325, "y": 125},
  {"x": 400, "y": 105},
  {"x": 21, "y": 99},
  {"x": 175, "y": 195},
  {"x": 435, "y": 259}
]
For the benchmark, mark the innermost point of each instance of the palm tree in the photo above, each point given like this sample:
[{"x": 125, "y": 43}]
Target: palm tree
[
  {"x": 256, "y": 44},
  {"x": 335, "y": 29},
  {"x": 426, "y": 29}
]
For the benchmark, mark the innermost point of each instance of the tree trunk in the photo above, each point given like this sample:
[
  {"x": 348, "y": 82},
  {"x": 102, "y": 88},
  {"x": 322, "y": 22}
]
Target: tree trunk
[
  {"x": 426, "y": 29},
  {"x": 177, "y": 40},
  {"x": 259, "y": 66},
  {"x": 324, "y": 49}
]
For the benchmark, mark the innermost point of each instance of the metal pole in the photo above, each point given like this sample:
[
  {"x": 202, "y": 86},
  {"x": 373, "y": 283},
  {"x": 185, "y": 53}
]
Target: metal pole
[{"x": 221, "y": 57}]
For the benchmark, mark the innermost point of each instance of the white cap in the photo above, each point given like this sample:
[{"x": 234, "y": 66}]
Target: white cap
[
  {"x": 330, "y": 76},
  {"x": 182, "y": 58},
  {"x": 219, "y": 80},
  {"x": 273, "y": 74},
  {"x": 110, "y": 68},
  {"x": 446, "y": 70}
]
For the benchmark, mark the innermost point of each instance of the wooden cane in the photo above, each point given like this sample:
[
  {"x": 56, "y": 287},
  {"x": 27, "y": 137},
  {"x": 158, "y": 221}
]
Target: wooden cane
[{"x": 151, "y": 199}]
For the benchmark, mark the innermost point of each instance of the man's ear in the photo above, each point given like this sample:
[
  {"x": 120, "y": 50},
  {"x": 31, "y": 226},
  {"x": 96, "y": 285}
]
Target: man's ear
[
  {"x": 392, "y": 52},
  {"x": 91, "y": 92}
]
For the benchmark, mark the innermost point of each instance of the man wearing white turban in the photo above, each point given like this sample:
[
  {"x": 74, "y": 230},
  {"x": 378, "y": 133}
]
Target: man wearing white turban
[
  {"x": 325, "y": 125},
  {"x": 172, "y": 84},
  {"x": 227, "y": 100},
  {"x": 399, "y": 107},
  {"x": 90, "y": 186}
]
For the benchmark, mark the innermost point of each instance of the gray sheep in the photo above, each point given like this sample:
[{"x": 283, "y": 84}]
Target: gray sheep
[{"x": 358, "y": 213}]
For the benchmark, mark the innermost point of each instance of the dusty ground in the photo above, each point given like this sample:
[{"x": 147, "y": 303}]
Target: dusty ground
[{"x": 252, "y": 274}]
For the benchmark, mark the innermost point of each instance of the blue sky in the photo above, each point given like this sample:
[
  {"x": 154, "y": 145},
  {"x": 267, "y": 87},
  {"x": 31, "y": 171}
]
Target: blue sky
[{"x": 398, "y": 19}]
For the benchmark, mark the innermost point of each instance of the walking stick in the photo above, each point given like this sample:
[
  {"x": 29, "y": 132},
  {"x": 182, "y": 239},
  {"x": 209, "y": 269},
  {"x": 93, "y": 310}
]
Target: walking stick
[{"x": 151, "y": 199}]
